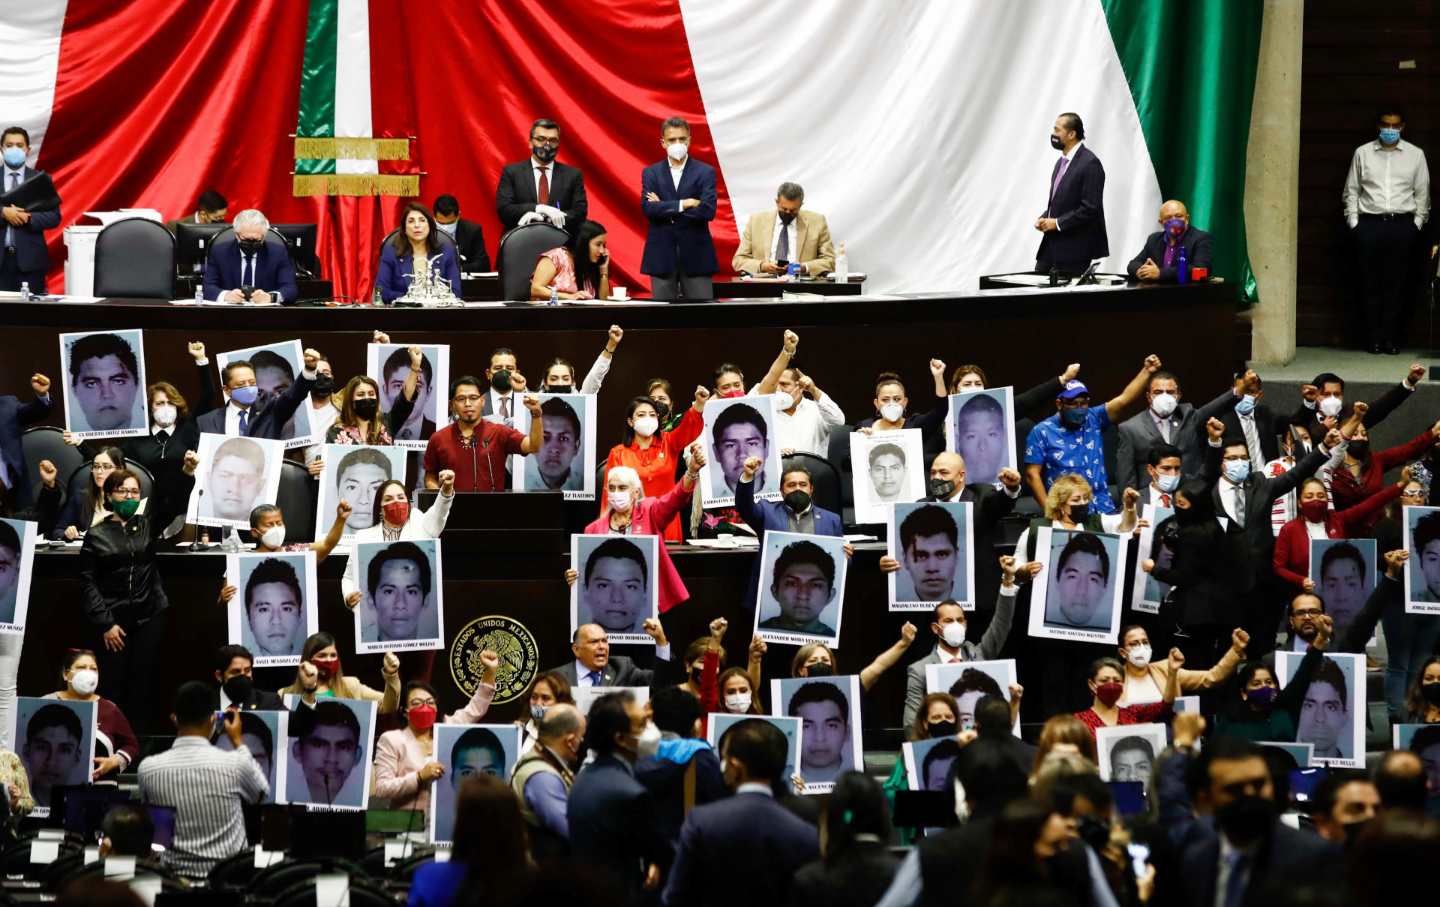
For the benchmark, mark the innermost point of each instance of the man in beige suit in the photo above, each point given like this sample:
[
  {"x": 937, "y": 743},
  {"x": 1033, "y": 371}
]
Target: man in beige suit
[{"x": 785, "y": 234}]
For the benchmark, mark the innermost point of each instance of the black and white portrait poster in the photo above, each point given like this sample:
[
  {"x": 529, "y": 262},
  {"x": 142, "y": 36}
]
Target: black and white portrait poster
[
  {"x": 55, "y": 739},
  {"x": 802, "y": 588},
  {"x": 615, "y": 585},
  {"x": 971, "y": 681},
  {"x": 1128, "y": 751},
  {"x": 1332, "y": 712},
  {"x": 566, "y": 459},
  {"x": 354, "y": 473},
  {"x": 233, "y": 477},
  {"x": 982, "y": 431},
  {"x": 888, "y": 468},
  {"x": 275, "y": 606},
  {"x": 933, "y": 543},
  {"x": 465, "y": 750},
  {"x": 927, "y": 762},
  {"x": 736, "y": 429},
  {"x": 1148, "y": 592},
  {"x": 1077, "y": 595},
  {"x": 829, "y": 713},
  {"x": 1344, "y": 573},
  {"x": 389, "y": 365},
  {"x": 720, "y": 724},
  {"x": 259, "y": 732},
  {"x": 327, "y": 751},
  {"x": 586, "y": 696},
  {"x": 276, "y": 366},
  {"x": 1421, "y": 526},
  {"x": 401, "y": 606},
  {"x": 103, "y": 383},
  {"x": 17, "y": 564}
]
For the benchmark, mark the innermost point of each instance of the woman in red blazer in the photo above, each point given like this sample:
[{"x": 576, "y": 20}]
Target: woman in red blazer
[
  {"x": 1363, "y": 471},
  {"x": 1292, "y": 546}
]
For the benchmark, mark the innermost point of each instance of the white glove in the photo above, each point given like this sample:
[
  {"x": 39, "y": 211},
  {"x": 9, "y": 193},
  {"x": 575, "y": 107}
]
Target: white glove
[
  {"x": 1353, "y": 221},
  {"x": 552, "y": 214},
  {"x": 530, "y": 217}
]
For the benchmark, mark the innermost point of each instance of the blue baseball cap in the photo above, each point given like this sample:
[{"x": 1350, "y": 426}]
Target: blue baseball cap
[{"x": 1074, "y": 389}]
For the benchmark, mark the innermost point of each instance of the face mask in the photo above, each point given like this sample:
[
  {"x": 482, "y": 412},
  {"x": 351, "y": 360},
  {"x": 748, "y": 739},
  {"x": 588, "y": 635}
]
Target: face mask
[
  {"x": 164, "y": 415},
  {"x": 126, "y": 507},
  {"x": 245, "y": 396},
  {"x": 422, "y": 717},
  {"x": 447, "y": 229},
  {"x": 327, "y": 669},
  {"x": 537, "y": 712},
  {"x": 500, "y": 381},
  {"x": 1175, "y": 226},
  {"x": 322, "y": 386},
  {"x": 545, "y": 153},
  {"x": 397, "y": 513},
  {"x": 797, "y": 501},
  {"x": 891, "y": 412},
  {"x": 1353, "y": 830},
  {"x": 648, "y": 743},
  {"x": 953, "y": 633},
  {"x": 662, "y": 409},
  {"x": 251, "y": 246},
  {"x": 1163, "y": 404},
  {"x": 84, "y": 681},
  {"x": 1431, "y": 692},
  {"x": 786, "y": 218},
  {"x": 367, "y": 408},
  {"x": 738, "y": 703},
  {"x": 1167, "y": 484},
  {"x": 1074, "y": 418},
  {"x": 1262, "y": 697},
  {"x": 1139, "y": 656},
  {"x": 1246, "y": 405},
  {"x": 273, "y": 537},
  {"x": 1245, "y": 819},
  {"x": 940, "y": 729},
  {"x": 619, "y": 501},
  {"x": 238, "y": 688},
  {"x": 14, "y": 157},
  {"x": 559, "y": 388},
  {"x": 1109, "y": 693},
  {"x": 1389, "y": 135},
  {"x": 1331, "y": 406},
  {"x": 1078, "y": 513},
  {"x": 784, "y": 401},
  {"x": 941, "y": 489},
  {"x": 677, "y": 151},
  {"x": 820, "y": 669},
  {"x": 1237, "y": 470},
  {"x": 1358, "y": 448},
  {"x": 1314, "y": 511},
  {"x": 646, "y": 426},
  {"x": 1056, "y": 143}
]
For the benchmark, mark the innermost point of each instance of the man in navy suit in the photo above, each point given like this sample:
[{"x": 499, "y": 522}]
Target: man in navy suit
[
  {"x": 26, "y": 259},
  {"x": 797, "y": 512},
  {"x": 1159, "y": 260},
  {"x": 250, "y": 261},
  {"x": 254, "y": 413},
  {"x": 14, "y": 416},
  {"x": 678, "y": 196},
  {"x": 1074, "y": 220},
  {"x": 744, "y": 849}
]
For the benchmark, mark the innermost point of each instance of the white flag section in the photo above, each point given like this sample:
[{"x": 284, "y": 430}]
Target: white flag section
[{"x": 944, "y": 187}]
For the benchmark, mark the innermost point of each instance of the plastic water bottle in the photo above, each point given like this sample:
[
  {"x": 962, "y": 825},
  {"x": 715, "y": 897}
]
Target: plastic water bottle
[
  {"x": 554, "y": 296},
  {"x": 1182, "y": 267},
  {"x": 231, "y": 541},
  {"x": 375, "y": 297},
  {"x": 842, "y": 266},
  {"x": 199, "y": 293},
  {"x": 25, "y": 291}
]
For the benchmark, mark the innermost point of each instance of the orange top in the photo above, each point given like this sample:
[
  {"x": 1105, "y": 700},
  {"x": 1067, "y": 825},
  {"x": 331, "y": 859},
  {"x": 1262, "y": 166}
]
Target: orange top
[{"x": 657, "y": 463}]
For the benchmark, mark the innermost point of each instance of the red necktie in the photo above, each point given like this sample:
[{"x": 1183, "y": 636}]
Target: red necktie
[
  {"x": 544, "y": 192},
  {"x": 1164, "y": 500}
]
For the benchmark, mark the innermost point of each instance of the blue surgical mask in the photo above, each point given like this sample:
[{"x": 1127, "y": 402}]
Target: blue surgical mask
[
  {"x": 1237, "y": 470},
  {"x": 14, "y": 156},
  {"x": 1389, "y": 135},
  {"x": 245, "y": 396},
  {"x": 1166, "y": 483},
  {"x": 537, "y": 711},
  {"x": 1175, "y": 226},
  {"x": 1074, "y": 418},
  {"x": 1246, "y": 406}
]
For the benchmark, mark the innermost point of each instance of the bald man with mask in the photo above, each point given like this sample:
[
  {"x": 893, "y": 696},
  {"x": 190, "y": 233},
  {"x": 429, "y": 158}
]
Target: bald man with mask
[{"x": 1159, "y": 261}]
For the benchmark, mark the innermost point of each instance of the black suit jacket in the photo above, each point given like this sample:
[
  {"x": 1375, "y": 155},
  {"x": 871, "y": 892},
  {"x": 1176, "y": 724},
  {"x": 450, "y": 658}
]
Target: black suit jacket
[
  {"x": 1250, "y": 548},
  {"x": 744, "y": 849},
  {"x": 612, "y": 823},
  {"x": 268, "y": 414},
  {"x": 1389, "y": 401},
  {"x": 1270, "y": 427},
  {"x": 515, "y": 194},
  {"x": 1286, "y": 857},
  {"x": 470, "y": 239},
  {"x": 14, "y": 416},
  {"x": 259, "y": 701},
  {"x": 620, "y": 671},
  {"x": 29, "y": 238},
  {"x": 1078, "y": 203},
  {"x": 1195, "y": 241},
  {"x": 1138, "y": 435}
]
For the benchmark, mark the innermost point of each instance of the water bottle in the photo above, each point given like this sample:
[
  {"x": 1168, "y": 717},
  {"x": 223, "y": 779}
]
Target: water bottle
[
  {"x": 231, "y": 541},
  {"x": 842, "y": 266},
  {"x": 792, "y": 271},
  {"x": 554, "y": 296},
  {"x": 199, "y": 293},
  {"x": 1182, "y": 268},
  {"x": 375, "y": 297},
  {"x": 25, "y": 291}
]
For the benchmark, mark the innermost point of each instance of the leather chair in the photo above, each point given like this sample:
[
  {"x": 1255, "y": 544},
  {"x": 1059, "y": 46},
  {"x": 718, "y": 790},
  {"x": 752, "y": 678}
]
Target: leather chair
[
  {"x": 519, "y": 249},
  {"x": 273, "y": 241},
  {"x": 45, "y": 442},
  {"x": 445, "y": 238},
  {"x": 296, "y": 498},
  {"x": 823, "y": 476},
  {"x": 135, "y": 258},
  {"x": 839, "y": 457}
]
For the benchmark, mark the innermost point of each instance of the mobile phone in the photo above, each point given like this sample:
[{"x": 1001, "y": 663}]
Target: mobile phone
[{"x": 782, "y": 263}]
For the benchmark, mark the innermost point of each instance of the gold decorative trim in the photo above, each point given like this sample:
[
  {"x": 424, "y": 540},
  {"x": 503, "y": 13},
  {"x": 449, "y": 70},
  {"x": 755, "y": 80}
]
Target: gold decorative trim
[
  {"x": 401, "y": 184},
  {"x": 359, "y": 148}
]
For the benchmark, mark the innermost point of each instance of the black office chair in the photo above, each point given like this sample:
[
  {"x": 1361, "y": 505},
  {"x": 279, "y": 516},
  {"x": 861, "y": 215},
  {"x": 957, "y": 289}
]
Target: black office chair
[
  {"x": 135, "y": 258},
  {"x": 46, "y": 442},
  {"x": 296, "y": 498},
  {"x": 518, "y": 252},
  {"x": 15, "y": 859},
  {"x": 823, "y": 476},
  {"x": 80, "y": 479},
  {"x": 361, "y": 892},
  {"x": 280, "y": 878},
  {"x": 234, "y": 873},
  {"x": 839, "y": 457}
]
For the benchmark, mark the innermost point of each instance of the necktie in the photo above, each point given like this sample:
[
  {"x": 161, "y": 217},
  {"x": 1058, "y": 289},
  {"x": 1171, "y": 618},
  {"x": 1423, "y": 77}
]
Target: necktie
[
  {"x": 1165, "y": 430},
  {"x": 544, "y": 191},
  {"x": 1164, "y": 500},
  {"x": 14, "y": 184},
  {"x": 247, "y": 271},
  {"x": 782, "y": 245},
  {"x": 594, "y": 678},
  {"x": 1252, "y": 439},
  {"x": 1235, "y": 883},
  {"x": 244, "y": 422},
  {"x": 1240, "y": 505},
  {"x": 1060, "y": 168},
  {"x": 505, "y": 407}
]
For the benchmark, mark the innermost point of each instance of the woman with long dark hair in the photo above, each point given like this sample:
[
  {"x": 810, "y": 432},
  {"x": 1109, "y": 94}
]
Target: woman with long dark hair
[
  {"x": 319, "y": 676},
  {"x": 490, "y": 861},
  {"x": 855, "y": 866},
  {"x": 580, "y": 269},
  {"x": 361, "y": 421},
  {"x": 1362, "y": 473},
  {"x": 88, "y": 506},
  {"x": 415, "y": 241}
]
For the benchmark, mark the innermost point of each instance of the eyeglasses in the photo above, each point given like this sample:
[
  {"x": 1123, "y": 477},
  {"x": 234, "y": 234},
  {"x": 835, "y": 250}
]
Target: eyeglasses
[
  {"x": 468, "y": 398},
  {"x": 1305, "y": 613},
  {"x": 553, "y": 143},
  {"x": 125, "y": 493}
]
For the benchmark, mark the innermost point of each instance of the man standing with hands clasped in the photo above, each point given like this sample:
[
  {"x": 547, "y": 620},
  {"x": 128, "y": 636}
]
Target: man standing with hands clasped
[
  {"x": 1073, "y": 225},
  {"x": 25, "y": 257},
  {"x": 678, "y": 197}
]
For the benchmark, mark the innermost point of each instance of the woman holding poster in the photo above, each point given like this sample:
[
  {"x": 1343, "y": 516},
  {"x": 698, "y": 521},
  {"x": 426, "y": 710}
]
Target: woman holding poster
[
  {"x": 1317, "y": 520},
  {"x": 361, "y": 421},
  {"x": 654, "y": 454},
  {"x": 116, "y": 748}
]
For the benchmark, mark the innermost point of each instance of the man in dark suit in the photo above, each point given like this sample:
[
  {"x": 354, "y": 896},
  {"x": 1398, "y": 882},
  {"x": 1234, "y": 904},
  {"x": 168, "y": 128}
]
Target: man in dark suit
[
  {"x": 1326, "y": 398},
  {"x": 254, "y": 413},
  {"x": 1074, "y": 220},
  {"x": 1159, "y": 261},
  {"x": 14, "y": 416},
  {"x": 236, "y": 682},
  {"x": 250, "y": 262},
  {"x": 1166, "y": 420},
  {"x": 1248, "y": 418},
  {"x": 611, "y": 815},
  {"x": 744, "y": 849},
  {"x": 678, "y": 196},
  {"x": 468, "y": 235},
  {"x": 539, "y": 188},
  {"x": 25, "y": 257},
  {"x": 796, "y": 513},
  {"x": 594, "y": 667}
]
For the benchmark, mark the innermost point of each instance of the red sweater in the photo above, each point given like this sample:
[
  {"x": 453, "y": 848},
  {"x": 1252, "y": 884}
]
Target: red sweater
[
  {"x": 1130, "y": 714},
  {"x": 1292, "y": 545},
  {"x": 651, "y": 517},
  {"x": 1346, "y": 490}
]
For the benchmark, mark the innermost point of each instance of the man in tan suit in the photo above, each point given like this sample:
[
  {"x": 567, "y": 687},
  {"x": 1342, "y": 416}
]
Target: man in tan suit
[{"x": 785, "y": 234}]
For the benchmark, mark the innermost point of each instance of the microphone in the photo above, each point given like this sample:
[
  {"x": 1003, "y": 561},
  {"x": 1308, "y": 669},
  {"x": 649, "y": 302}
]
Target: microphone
[{"x": 196, "y": 544}]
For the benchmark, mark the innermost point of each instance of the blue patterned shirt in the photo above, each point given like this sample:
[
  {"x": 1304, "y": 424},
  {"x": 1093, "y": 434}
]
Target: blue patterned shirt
[{"x": 1057, "y": 452}]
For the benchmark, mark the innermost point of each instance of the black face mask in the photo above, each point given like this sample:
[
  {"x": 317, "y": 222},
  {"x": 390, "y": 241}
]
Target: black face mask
[
  {"x": 786, "y": 218},
  {"x": 1246, "y": 820},
  {"x": 940, "y": 729},
  {"x": 544, "y": 153},
  {"x": 238, "y": 688},
  {"x": 1078, "y": 512},
  {"x": 820, "y": 669},
  {"x": 251, "y": 246},
  {"x": 559, "y": 388},
  {"x": 501, "y": 381},
  {"x": 662, "y": 409},
  {"x": 367, "y": 408},
  {"x": 1056, "y": 143},
  {"x": 798, "y": 501},
  {"x": 696, "y": 674},
  {"x": 1430, "y": 692},
  {"x": 1094, "y": 832},
  {"x": 941, "y": 489},
  {"x": 1353, "y": 830},
  {"x": 1358, "y": 448},
  {"x": 322, "y": 386}
]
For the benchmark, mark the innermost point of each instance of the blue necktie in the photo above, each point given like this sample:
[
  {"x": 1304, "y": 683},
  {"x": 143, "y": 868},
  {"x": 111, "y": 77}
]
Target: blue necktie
[
  {"x": 594, "y": 678},
  {"x": 1236, "y": 883},
  {"x": 244, "y": 422},
  {"x": 247, "y": 271},
  {"x": 10, "y": 231}
]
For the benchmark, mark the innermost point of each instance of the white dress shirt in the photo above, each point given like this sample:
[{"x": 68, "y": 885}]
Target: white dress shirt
[
  {"x": 232, "y": 418},
  {"x": 1387, "y": 181},
  {"x": 676, "y": 172},
  {"x": 807, "y": 430},
  {"x": 495, "y": 398}
]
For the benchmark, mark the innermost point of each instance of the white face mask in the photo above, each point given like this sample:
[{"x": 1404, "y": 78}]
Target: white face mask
[
  {"x": 619, "y": 500},
  {"x": 648, "y": 743},
  {"x": 273, "y": 537},
  {"x": 447, "y": 229},
  {"x": 164, "y": 415},
  {"x": 891, "y": 412},
  {"x": 1163, "y": 404},
  {"x": 84, "y": 681},
  {"x": 1331, "y": 406},
  {"x": 784, "y": 400},
  {"x": 738, "y": 703},
  {"x": 953, "y": 633},
  {"x": 677, "y": 151},
  {"x": 646, "y": 426},
  {"x": 1139, "y": 656}
]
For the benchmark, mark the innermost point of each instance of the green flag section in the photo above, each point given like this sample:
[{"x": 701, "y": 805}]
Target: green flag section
[
  {"x": 316, "y": 116},
  {"x": 1191, "y": 68}
]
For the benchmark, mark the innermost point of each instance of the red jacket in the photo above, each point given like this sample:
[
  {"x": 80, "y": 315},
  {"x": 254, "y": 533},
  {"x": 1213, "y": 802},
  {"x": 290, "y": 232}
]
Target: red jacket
[
  {"x": 1346, "y": 490},
  {"x": 650, "y": 518},
  {"x": 657, "y": 464},
  {"x": 1292, "y": 545}
]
